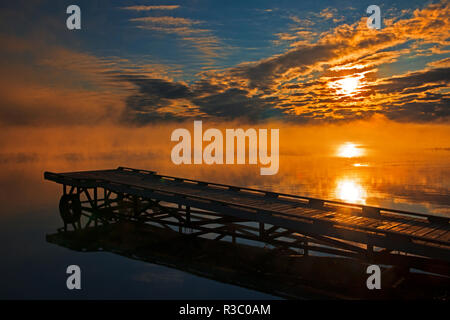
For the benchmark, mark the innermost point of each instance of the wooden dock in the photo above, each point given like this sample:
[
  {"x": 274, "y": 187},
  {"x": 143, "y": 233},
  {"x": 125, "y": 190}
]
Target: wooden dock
[{"x": 288, "y": 223}]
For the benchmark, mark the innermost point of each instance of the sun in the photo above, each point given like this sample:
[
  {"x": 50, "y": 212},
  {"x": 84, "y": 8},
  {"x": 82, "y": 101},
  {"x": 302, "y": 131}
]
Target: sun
[{"x": 348, "y": 85}]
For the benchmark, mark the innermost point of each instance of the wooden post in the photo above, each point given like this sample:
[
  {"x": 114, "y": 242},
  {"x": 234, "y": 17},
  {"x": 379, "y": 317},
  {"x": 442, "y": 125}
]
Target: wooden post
[
  {"x": 369, "y": 251},
  {"x": 180, "y": 225},
  {"x": 105, "y": 198},
  {"x": 305, "y": 250},
  {"x": 135, "y": 206},
  {"x": 234, "y": 234},
  {"x": 188, "y": 215},
  {"x": 261, "y": 230}
]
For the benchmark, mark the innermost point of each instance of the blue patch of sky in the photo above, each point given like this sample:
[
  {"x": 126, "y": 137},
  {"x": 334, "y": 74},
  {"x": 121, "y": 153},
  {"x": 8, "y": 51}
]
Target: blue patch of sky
[{"x": 245, "y": 29}]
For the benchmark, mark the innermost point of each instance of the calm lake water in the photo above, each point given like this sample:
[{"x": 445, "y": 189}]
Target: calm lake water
[{"x": 355, "y": 168}]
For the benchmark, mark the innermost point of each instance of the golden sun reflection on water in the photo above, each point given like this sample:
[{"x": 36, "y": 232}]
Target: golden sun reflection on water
[
  {"x": 408, "y": 173},
  {"x": 350, "y": 190},
  {"x": 350, "y": 150},
  {"x": 360, "y": 165}
]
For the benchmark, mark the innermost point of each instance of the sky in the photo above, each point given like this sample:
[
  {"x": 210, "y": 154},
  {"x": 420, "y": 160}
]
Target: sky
[{"x": 137, "y": 63}]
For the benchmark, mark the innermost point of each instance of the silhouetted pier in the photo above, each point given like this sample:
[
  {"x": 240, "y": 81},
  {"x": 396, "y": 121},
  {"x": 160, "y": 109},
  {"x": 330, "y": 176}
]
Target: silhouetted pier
[{"x": 294, "y": 225}]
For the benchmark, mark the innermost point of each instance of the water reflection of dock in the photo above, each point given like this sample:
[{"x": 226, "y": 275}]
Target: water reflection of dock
[
  {"x": 294, "y": 226},
  {"x": 267, "y": 270}
]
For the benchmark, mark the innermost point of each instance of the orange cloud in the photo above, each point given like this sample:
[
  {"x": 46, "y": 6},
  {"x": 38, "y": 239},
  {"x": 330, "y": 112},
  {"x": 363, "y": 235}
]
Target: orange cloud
[{"x": 149, "y": 8}]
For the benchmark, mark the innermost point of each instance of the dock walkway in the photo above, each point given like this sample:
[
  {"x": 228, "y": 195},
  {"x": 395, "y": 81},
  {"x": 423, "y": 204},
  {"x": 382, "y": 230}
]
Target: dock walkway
[{"x": 282, "y": 220}]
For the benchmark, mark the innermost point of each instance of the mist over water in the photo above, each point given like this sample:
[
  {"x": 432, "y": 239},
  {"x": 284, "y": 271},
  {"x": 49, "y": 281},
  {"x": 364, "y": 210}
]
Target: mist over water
[{"x": 333, "y": 163}]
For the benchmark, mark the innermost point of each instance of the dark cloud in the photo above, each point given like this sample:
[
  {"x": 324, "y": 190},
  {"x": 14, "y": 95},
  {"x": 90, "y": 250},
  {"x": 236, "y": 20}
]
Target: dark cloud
[
  {"x": 236, "y": 103},
  {"x": 418, "y": 81},
  {"x": 262, "y": 74},
  {"x": 420, "y": 111},
  {"x": 209, "y": 100},
  {"x": 152, "y": 95},
  {"x": 158, "y": 88},
  {"x": 416, "y": 96}
]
